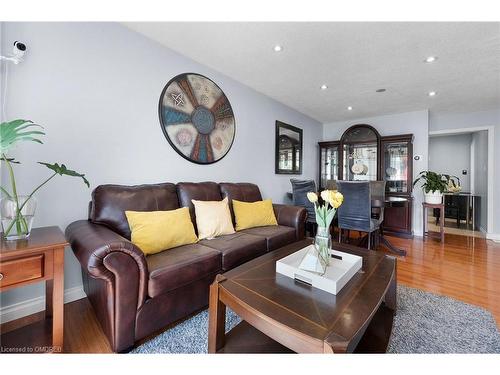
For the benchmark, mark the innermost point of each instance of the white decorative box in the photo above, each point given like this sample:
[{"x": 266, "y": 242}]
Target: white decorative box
[{"x": 337, "y": 274}]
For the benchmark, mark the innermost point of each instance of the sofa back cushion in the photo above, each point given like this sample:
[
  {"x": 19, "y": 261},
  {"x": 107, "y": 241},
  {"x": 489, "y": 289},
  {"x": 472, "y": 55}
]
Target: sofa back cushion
[
  {"x": 200, "y": 191},
  {"x": 243, "y": 192},
  {"x": 109, "y": 203}
]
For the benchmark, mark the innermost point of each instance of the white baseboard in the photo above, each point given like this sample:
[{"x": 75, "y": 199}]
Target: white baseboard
[
  {"x": 493, "y": 236},
  {"x": 34, "y": 305}
]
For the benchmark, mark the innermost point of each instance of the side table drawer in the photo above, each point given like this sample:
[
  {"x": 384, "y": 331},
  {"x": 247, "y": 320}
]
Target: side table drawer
[{"x": 19, "y": 270}]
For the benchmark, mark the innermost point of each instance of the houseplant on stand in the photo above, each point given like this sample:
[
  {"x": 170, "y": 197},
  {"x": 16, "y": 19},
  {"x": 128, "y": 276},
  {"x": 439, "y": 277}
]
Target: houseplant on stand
[
  {"x": 435, "y": 184},
  {"x": 16, "y": 210},
  {"x": 324, "y": 216}
]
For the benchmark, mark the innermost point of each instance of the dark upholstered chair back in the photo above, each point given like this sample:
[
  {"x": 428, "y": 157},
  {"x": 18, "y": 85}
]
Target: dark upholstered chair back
[
  {"x": 109, "y": 203},
  {"x": 300, "y": 188},
  {"x": 355, "y": 211},
  {"x": 377, "y": 190}
]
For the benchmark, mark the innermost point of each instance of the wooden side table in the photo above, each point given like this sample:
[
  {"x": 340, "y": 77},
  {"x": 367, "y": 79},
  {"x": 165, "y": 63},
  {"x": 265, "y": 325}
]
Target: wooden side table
[
  {"x": 425, "y": 206},
  {"x": 38, "y": 258}
]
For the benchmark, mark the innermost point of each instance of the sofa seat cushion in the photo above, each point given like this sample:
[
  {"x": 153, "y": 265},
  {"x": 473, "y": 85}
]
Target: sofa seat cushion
[
  {"x": 276, "y": 235},
  {"x": 180, "y": 266},
  {"x": 237, "y": 248}
]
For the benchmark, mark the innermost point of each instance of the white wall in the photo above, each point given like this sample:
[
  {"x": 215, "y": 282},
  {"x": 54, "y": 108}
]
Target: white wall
[
  {"x": 457, "y": 145},
  {"x": 416, "y": 123},
  {"x": 446, "y": 121},
  {"x": 479, "y": 150},
  {"x": 95, "y": 89}
]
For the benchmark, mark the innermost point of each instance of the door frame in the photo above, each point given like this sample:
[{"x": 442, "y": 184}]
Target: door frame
[{"x": 491, "y": 166}]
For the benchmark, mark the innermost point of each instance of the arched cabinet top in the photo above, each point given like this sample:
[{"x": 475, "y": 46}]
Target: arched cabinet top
[{"x": 360, "y": 133}]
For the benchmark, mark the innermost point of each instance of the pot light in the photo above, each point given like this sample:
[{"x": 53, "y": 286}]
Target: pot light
[
  {"x": 349, "y": 108},
  {"x": 278, "y": 48},
  {"x": 430, "y": 59},
  {"x": 432, "y": 93},
  {"x": 323, "y": 87}
]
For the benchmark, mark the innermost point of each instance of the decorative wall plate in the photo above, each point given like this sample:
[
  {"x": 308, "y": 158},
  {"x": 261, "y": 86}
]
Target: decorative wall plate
[
  {"x": 196, "y": 118},
  {"x": 357, "y": 168},
  {"x": 391, "y": 171}
]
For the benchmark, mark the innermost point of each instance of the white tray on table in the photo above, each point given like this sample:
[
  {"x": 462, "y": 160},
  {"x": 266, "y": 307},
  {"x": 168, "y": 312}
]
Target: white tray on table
[{"x": 337, "y": 274}]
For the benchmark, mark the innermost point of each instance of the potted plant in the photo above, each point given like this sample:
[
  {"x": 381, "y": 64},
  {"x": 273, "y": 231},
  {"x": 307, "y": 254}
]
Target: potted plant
[
  {"x": 435, "y": 184},
  {"x": 16, "y": 210}
]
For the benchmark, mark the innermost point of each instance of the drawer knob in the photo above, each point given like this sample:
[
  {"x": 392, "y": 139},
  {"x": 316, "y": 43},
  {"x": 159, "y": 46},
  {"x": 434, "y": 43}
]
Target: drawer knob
[{"x": 1, "y": 276}]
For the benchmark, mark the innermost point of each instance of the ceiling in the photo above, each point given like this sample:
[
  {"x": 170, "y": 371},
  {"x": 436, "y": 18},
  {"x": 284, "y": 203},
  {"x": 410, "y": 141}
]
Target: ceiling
[{"x": 353, "y": 58}]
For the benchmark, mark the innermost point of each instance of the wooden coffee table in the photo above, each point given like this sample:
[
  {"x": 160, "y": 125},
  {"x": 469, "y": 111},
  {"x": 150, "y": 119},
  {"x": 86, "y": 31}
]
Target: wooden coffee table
[{"x": 283, "y": 315}]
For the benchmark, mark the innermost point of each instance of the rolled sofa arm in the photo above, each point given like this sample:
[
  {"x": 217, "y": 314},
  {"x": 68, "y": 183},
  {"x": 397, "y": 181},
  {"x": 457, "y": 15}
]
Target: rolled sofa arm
[
  {"x": 292, "y": 216},
  {"x": 121, "y": 277}
]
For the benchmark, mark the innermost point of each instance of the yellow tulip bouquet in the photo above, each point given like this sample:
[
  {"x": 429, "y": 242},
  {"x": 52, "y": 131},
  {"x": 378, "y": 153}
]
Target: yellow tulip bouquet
[{"x": 324, "y": 217}]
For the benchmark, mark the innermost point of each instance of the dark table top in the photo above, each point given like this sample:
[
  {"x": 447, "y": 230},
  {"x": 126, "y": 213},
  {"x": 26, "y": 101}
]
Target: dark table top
[
  {"x": 39, "y": 239},
  {"x": 309, "y": 310}
]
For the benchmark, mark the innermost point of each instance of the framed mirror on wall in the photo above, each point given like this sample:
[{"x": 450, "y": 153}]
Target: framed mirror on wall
[{"x": 288, "y": 149}]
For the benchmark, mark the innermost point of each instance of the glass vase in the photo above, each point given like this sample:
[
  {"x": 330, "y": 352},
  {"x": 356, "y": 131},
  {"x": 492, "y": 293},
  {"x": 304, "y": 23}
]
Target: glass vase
[
  {"x": 323, "y": 243},
  {"x": 17, "y": 216}
]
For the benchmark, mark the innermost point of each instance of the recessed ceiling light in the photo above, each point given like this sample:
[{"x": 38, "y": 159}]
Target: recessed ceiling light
[
  {"x": 432, "y": 93},
  {"x": 349, "y": 108},
  {"x": 278, "y": 48},
  {"x": 430, "y": 59},
  {"x": 380, "y": 90},
  {"x": 323, "y": 87}
]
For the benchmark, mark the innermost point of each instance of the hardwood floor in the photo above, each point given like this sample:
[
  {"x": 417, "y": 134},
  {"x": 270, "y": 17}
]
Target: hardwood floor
[{"x": 464, "y": 268}]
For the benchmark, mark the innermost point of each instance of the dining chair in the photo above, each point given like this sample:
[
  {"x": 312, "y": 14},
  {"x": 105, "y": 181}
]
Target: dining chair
[
  {"x": 377, "y": 191},
  {"x": 300, "y": 188},
  {"x": 355, "y": 213},
  {"x": 331, "y": 184}
]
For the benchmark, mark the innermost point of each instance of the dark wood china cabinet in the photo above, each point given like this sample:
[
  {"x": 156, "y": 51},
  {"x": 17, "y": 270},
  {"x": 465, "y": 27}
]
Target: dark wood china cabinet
[{"x": 363, "y": 155}]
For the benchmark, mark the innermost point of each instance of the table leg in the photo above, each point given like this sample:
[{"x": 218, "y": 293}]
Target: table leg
[
  {"x": 49, "y": 290},
  {"x": 391, "y": 247},
  {"x": 473, "y": 213},
  {"x": 424, "y": 209},
  {"x": 217, "y": 318},
  {"x": 441, "y": 224},
  {"x": 58, "y": 301}
]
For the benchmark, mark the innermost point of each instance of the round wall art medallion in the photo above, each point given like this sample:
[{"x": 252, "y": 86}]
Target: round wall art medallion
[{"x": 196, "y": 118}]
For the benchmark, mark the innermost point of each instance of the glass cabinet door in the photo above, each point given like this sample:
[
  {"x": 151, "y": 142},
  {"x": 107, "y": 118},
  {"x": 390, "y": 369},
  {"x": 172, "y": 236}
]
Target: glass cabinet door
[
  {"x": 360, "y": 162},
  {"x": 395, "y": 168},
  {"x": 329, "y": 160},
  {"x": 360, "y": 153}
]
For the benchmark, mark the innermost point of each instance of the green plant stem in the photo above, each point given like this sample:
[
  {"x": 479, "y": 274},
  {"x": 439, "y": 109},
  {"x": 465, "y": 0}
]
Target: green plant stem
[
  {"x": 19, "y": 217},
  {"x": 29, "y": 197},
  {"x": 5, "y": 192},
  {"x": 36, "y": 189}
]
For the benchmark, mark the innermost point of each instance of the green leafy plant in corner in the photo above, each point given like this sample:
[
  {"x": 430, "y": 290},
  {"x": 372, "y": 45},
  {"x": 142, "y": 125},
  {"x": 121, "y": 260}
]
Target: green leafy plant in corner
[
  {"x": 11, "y": 133},
  {"x": 433, "y": 181}
]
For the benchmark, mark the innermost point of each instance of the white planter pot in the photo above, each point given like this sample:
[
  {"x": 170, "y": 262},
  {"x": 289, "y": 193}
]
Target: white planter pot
[{"x": 433, "y": 197}]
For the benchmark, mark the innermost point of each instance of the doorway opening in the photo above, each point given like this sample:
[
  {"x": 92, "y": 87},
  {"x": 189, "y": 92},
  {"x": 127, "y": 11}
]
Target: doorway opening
[{"x": 468, "y": 155}]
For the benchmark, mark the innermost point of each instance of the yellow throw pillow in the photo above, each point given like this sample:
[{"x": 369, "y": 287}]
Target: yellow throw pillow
[
  {"x": 213, "y": 218},
  {"x": 255, "y": 214},
  {"x": 156, "y": 231}
]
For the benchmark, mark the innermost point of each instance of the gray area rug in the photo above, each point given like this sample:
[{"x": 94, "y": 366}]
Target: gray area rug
[{"x": 425, "y": 323}]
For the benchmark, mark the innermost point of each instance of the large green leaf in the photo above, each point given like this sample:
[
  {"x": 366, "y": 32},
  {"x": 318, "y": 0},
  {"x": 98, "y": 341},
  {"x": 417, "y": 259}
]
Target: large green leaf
[
  {"x": 62, "y": 170},
  {"x": 16, "y": 131}
]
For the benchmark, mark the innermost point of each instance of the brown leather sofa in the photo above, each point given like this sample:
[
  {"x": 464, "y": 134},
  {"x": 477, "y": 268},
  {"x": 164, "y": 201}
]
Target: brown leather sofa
[{"x": 133, "y": 295}]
